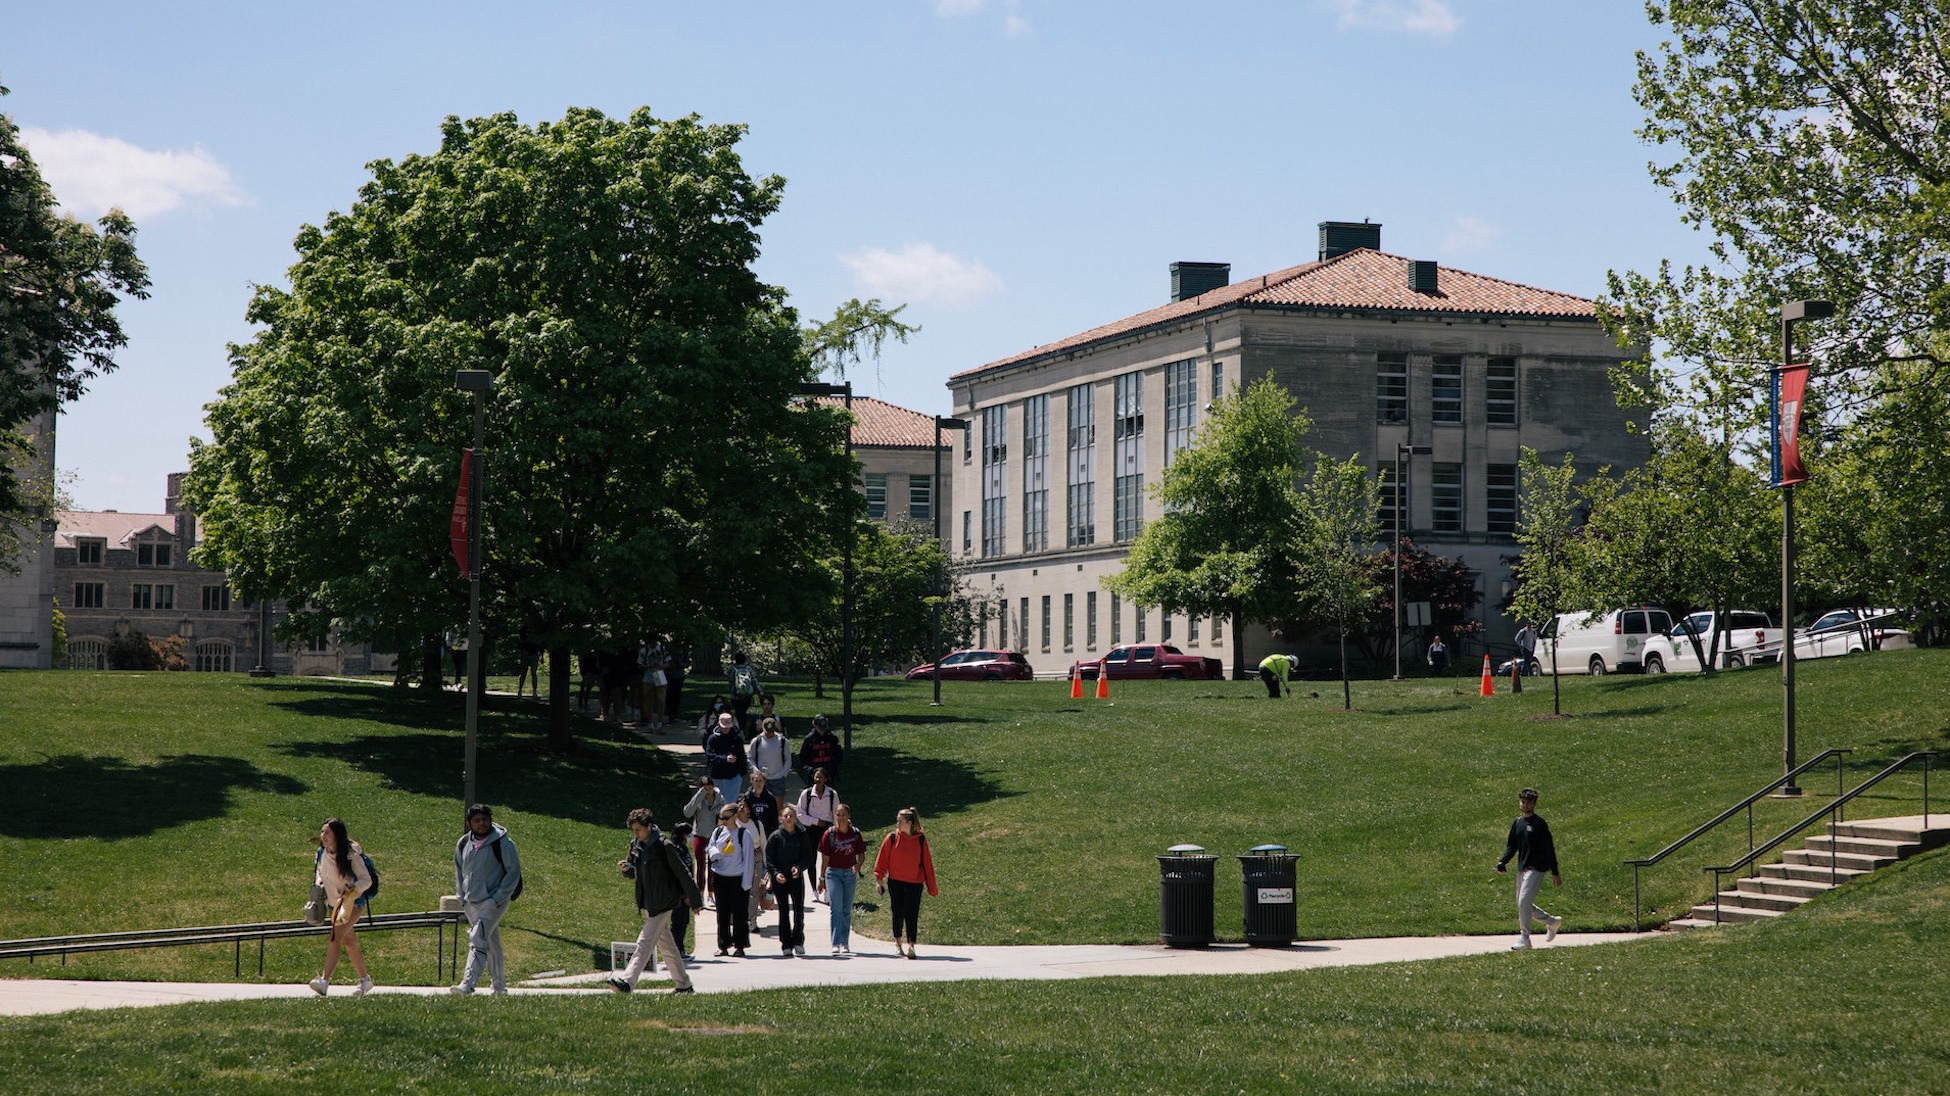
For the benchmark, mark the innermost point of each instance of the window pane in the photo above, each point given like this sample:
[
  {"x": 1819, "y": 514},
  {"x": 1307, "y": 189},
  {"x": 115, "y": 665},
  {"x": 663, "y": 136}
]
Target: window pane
[
  {"x": 1391, "y": 388},
  {"x": 1500, "y": 392},
  {"x": 1446, "y": 497},
  {"x": 877, "y": 495},
  {"x": 1445, "y": 390},
  {"x": 920, "y": 498},
  {"x": 1500, "y": 515}
]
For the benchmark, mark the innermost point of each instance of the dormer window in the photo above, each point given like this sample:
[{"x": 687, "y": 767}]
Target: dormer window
[
  {"x": 153, "y": 555},
  {"x": 88, "y": 551}
]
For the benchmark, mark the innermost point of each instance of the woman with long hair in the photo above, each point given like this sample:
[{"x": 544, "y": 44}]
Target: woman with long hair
[
  {"x": 343, "y": 873},
  {"x": 842, "y": 849},
  {"x": 903, "y": 866}
]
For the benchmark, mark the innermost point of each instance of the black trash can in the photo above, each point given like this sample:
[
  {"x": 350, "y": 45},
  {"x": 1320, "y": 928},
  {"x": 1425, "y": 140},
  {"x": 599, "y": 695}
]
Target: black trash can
[
  {"x": 1185, "y": 897},
  {"x": 1269, "y": 878}
]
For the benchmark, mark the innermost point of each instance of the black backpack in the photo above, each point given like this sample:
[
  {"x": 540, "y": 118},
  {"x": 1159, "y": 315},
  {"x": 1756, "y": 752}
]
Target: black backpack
[{"x": 519, "y": 883}]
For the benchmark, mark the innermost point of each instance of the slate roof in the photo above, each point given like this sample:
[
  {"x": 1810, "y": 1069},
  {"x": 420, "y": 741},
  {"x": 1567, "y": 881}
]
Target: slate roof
[
  {"x": 882, "y": 425},
  {"x": 118, "y": 529},
  {"x": 1358, "y": 280}
]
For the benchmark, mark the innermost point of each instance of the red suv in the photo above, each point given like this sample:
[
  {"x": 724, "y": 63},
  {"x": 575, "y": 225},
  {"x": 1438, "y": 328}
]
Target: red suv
[
  {"x": 978, "y": 666},
  {"x": 1153, "y": 660}
]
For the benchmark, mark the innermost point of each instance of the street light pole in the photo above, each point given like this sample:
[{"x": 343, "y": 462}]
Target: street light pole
[
  {"x": 1792, "y": 312},
  {"x": 1402, "y": 452},
  {"x": 480, "y": 382},
  {"x": 941, "y": 538}
]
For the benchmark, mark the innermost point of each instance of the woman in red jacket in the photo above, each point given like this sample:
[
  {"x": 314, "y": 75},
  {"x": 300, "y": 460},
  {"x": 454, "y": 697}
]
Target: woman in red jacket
[{"x": 904, "y": 865}]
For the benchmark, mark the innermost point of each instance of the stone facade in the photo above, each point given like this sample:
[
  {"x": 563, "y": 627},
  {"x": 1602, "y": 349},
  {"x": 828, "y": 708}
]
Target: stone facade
[{"x": 1066, "y": 438}]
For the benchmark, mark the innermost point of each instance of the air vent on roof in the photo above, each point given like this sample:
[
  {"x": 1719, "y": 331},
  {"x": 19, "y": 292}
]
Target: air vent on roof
[
  {"x": 1341, "y": 237},
  {"x": 1422, "y": 276},
  {"x": 1188, "y": 280}
]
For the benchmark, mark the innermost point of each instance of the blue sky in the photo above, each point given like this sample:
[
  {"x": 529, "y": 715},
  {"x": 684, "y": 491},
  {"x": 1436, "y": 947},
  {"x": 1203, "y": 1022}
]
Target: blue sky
[{"x": 1016, "y": 170}]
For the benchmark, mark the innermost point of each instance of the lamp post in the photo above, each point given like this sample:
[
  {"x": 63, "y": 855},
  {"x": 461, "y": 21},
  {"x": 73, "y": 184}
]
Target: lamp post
[
  {"x": 1402, "y": 453},
  {"x": 845, "y": 391},
  {"x": 941, "y": 538},
  {"x": 480, "y": 382},
  {"x": 1792, "y": 312}
]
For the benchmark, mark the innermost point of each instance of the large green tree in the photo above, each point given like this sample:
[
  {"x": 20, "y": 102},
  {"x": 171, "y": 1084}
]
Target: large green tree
[
  {"x": 1224, "y": 545},
  {"x": 60, "y": 281},
  {"x": 899, "y": 576},
  {"x": 1548, "y": 530},
  {"x": 1334, "y": 535},
  {"x": 647, "y": 463}
]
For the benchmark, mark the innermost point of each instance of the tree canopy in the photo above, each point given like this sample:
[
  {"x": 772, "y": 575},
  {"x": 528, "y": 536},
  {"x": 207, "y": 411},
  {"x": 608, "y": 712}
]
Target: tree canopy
[
  {"x": 60, "y": 282},
  {"x": 647, "y": 464},
  {"x": 1335, "y": 534}
]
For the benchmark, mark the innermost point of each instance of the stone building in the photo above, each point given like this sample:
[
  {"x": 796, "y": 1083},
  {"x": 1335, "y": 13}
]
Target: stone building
[
  {"x": 895, "y": 447},
  {"x": 1382, "y": 351},
  {"x": 117, "y": 573}
]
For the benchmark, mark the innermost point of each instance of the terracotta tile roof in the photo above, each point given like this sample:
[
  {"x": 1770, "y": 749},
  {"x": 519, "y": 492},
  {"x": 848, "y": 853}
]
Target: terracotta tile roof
[
  {"x": 119, "y": 530},
  {"x": 1359, "y": 280},
  {"x": 882, "y": 425}
]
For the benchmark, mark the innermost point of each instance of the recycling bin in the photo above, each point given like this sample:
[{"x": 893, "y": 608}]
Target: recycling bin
[
  {"x": 1185, "y": 896},
  {"x": 1268, "y": 875}
]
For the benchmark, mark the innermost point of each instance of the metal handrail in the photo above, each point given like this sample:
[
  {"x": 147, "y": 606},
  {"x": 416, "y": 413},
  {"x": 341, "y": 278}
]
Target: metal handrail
[
  {"x": 261, "y": 931},
  {"x": 1834, "y": 813},
  {"x": 1747, "y": 805}
]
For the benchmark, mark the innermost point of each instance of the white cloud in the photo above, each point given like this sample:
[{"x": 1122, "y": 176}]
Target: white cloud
[
  {"x": 949, "y": 9},
  {"x": 921, "y": 273},
  {"x": 1016, "y": 25},
  {"x": 91, "y": 173},
  {"x": 1470, "y": 235},
  {"x": 1012, "y": 21},
  {"x": 1431, "y": 17}
]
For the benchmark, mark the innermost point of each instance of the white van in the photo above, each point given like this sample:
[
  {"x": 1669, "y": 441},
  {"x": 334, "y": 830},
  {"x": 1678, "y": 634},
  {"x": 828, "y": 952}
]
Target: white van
[{"x": 1621, "y": 641}]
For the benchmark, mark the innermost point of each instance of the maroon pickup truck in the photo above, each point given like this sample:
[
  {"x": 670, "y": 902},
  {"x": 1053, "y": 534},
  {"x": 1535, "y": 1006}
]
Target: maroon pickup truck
[{"x": 1153, "y": 660}]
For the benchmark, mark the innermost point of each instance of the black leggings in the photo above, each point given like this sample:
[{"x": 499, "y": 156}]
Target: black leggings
[
  {"x": 734, "y": 917},
  {"x": 906, "y": 900},
  {"x": 791, "y": 897}
]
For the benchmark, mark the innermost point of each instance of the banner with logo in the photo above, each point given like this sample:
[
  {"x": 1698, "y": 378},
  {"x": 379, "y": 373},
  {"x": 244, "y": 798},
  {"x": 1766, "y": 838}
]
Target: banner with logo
[
  {"x": 1789, "y": 385},
  {"x": 457, "y": 530}
]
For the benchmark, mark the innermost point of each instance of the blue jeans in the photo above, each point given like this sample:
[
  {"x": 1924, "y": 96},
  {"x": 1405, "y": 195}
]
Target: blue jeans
[
  {"x": 841, "y": 883},
  {"x": 730, "y": 787}
]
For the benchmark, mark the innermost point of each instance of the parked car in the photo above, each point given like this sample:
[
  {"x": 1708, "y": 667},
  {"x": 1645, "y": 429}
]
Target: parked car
[
  {"x": 978, "y": 666},
  {"x": 1747, "y": 638},
  {"x": 1152, "y": 660},
  {"x": 1851, "y": 632},
  {"x": 1623, "y": 640}
]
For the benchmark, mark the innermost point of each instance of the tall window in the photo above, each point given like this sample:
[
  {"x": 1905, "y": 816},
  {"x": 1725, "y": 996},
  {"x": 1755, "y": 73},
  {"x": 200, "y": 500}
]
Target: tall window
[
  {"x": 1045, "y": 634},
  {"x": 983, "y": 616},
  {"x": 1069, "y": 622},
  {"x": 1164, "y": 627},
  {"x": 1181, "y": 398},
  {"x": 1391, "y": 388},
  {"x": 88, "y": 595},
  {"x": 165, "y": 596},
  {"x": 1218, "y": 381},
  {"x": 1137, "y": 627},
  {"x": 1387, "y": 496},
  {"x": 1022, "y": 626},
  {"x": 216, "y": 599},
  {"x": 213, "y": 657},
  {"x": 1083, "y": 467},
  {"x": 153, "y": 555},
  {"x": 1128, "y": 489},
  {"x": 968, "y": 533},
  {"x": 1500, "y": 508},
  {"x": 1116, "y": 620},
  {"x": 1090, "y": 620},
  {"x": 88, "y": 551},
  {"x": 877, "y": 495},
  {"x": 141, "y": 596},
  {"x": 1035, "y": 474},
  {"x": 1218, "y": 627},
  {"x": 1446, "y": 497},
  {"x": 1445, "y": 390},
  {"x": 920, "y": 498},
  {"x": 995, "y": 491},
  {"x": 1500, "y": 392},
  {"x": 1191, "y": 630}
]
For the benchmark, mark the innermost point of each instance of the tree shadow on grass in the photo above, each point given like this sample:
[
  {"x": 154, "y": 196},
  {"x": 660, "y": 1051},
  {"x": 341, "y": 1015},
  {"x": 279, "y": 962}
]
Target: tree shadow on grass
[
  {"x": 110, "y": 798},
  {"x": 400, "y": 708},
  {"x": 880, "y": 781}
]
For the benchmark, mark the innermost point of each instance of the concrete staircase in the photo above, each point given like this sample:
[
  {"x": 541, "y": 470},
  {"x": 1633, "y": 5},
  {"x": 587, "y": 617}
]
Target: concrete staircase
[{"x": 1847, "y": 851}]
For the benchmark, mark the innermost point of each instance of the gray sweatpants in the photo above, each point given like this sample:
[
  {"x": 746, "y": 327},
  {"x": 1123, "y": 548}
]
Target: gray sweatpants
[
  {"x": 1528, "y": 884},
  {"x": 484, "y": 945}
]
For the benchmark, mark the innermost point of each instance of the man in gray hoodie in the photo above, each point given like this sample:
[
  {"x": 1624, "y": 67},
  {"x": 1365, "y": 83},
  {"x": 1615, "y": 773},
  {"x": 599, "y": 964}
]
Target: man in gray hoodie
[{"x": 487, "y": 876}]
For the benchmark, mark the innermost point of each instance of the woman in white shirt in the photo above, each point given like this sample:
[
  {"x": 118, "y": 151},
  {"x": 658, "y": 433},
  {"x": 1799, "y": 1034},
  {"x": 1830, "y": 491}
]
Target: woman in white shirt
[{"x": 343, "y": 873}]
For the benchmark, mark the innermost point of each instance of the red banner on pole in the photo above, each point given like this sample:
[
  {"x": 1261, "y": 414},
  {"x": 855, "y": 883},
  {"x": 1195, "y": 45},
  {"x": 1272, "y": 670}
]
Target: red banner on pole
[
  {"x": 457, "y": 530},
  {"x": 1787, "y": 425}
]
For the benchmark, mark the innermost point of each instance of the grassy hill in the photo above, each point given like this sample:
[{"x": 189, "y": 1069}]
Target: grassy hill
[{"x": 131, "y": 800}]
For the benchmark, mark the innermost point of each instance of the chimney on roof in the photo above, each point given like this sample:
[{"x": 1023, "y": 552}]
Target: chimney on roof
[
  {"x": 1188, "y": 280},
  {"x": 1422, "y": 276},
  {"x": 1341, "y": 237}
]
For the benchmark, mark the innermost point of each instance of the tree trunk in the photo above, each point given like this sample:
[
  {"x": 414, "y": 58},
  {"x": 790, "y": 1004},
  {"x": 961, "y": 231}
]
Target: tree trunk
[
  {"x": 1238, "y": 644},
  {"x": 559, "y": 673},
  {"x": 432, "y": 674},
  {"x": 1347, "y": 689}
]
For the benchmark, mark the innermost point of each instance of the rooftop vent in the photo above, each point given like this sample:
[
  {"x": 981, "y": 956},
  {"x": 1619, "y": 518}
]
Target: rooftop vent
[
  {"x": 1341, "y": 237},
  {"x": 1188, "y": 280},
  {"x": 1422, "y": 276}
]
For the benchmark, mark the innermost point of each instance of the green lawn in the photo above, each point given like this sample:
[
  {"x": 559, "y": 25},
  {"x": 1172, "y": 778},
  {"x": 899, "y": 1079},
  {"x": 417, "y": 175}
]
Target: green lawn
[{"x": 132, "y": 800}]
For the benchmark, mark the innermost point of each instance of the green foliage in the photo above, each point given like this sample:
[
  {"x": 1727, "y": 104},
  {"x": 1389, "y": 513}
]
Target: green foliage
[
  {"x": 1224, "y": 545},
  {"x": 59, "y": 647},
  {"x": 60, "y": 280},
  {"x": 133, "y": 651},
  {"x": 857, "y": 330},
  {"x": 648, "y": 466},
  {"x": 1336, "y": 530},
  {"x": 1548, "y": 531},
  {"x": 899, "y": 577},
  {"x": 1448, "y": 585}
]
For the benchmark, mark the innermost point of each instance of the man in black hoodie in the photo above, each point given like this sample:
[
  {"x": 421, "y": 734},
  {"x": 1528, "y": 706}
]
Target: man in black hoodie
[
  {"x": 1536, "y": 855},
  {"x": 662, "y": 884}
]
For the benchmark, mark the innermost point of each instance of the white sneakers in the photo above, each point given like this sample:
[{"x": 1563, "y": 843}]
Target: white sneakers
[
  {"x": 1550, "y": 930},
  {"x": 799, "y": 950},
  {"x": 320, "y": 985},
  {"x": 365, "y": 986}
]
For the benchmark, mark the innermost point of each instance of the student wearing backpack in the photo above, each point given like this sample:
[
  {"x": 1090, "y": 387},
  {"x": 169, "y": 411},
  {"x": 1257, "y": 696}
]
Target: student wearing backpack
[
  {"x": 487, "y": 876},
  {"x": 903, "y": 866},
  {"x": 663, "y": 885},
  {"x": 347, "y": 877},
  {"x": 743, "y": 678}
]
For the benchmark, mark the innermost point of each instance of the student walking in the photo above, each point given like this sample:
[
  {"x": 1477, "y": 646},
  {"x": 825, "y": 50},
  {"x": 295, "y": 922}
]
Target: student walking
[
  {"x": 901, "y": 868},
  {"x": 487, "y": 876},
  {"x": 734, "y": 865},
  {"x": 343, "y": 873},
  {"x": 816, "y": 805},
  {"x": 790, "y": 855},
  {"x": 662, "y": 886},
  {"x": 704, "y": 806},
  {"x": 770, "y": 753},
  {"x": 1536, "y": 855},
  {"x": 841, "y": 851},
  {"x": 821, "y": 750},
  {"x": 724, "y": 756}
]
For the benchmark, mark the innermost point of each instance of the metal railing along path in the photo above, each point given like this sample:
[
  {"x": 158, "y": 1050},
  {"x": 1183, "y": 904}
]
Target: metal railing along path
[{"x": 445, "y": 956}]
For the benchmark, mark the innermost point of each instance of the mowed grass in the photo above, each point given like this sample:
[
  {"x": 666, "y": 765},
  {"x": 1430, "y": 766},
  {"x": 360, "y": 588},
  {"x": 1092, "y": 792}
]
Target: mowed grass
[
  {"x": 163, "y": 800},
  {"x": 1843, "y": 997}
]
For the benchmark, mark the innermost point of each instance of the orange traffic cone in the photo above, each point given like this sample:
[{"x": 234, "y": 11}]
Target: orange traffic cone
[
  {"x": 1103, "y": 683},
  {"x": 1489, "y": 683},
  {"x": 1076, "y": 681}
]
